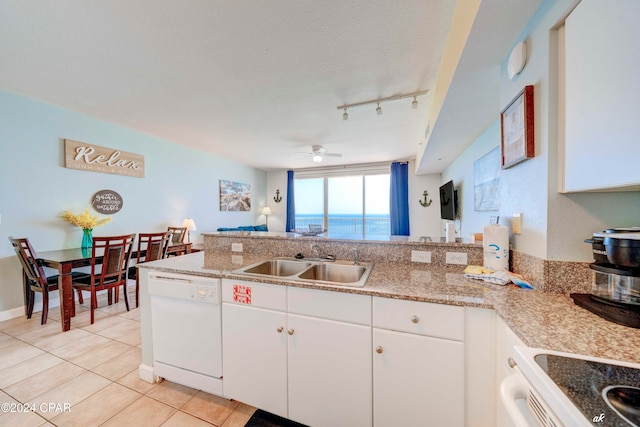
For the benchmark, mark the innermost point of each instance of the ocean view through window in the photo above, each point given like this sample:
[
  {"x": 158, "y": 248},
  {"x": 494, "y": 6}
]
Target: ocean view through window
[{"x": 346, "y": 205}]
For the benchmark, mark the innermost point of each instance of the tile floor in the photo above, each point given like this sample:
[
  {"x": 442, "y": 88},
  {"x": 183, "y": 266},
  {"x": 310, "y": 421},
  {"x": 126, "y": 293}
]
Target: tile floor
[{"x": 88, "y": 376}]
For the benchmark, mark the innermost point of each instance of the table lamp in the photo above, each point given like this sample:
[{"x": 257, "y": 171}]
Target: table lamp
[
  {"x": 191, "y": 226},
  {"x": 266, "y": 211}
]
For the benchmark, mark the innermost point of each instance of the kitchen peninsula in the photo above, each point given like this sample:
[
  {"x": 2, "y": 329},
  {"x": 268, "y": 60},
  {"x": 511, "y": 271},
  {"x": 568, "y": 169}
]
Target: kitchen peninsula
[{"x": 463, "y": 316}]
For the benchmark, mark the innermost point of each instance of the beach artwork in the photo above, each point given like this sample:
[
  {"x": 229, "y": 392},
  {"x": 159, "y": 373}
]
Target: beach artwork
[{"x": 235, "y": 196}]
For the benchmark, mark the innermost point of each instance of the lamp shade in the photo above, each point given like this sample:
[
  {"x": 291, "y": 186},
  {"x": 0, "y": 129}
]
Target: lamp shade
[
  {"x": 266, "y": 210},
  {"x": 190, "y": 224}
]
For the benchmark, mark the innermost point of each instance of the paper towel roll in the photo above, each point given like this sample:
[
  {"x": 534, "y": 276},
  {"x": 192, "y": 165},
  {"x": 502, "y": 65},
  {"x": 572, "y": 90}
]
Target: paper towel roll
[
  {"x": 450, "y": 232},
  {"x": 496, "y": 247}
]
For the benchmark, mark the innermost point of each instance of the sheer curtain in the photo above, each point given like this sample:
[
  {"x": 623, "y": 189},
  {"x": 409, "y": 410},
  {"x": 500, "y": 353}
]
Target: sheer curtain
[
  {"x": 399, "y": 203},
  {"x": 291, "y": 205}
]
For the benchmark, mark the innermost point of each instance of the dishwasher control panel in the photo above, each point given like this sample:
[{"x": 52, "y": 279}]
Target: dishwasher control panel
[{"x": 194, "y": 288}]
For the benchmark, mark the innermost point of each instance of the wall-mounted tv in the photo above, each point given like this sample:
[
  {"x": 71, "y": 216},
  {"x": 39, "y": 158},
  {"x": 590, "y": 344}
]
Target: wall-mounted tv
[{"x": 448, "y": 201}]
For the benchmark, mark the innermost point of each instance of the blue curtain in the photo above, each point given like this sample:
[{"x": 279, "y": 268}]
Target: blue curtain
[
  {"x": 399, "y": 208},
  {"x": 291, "y": 205}
]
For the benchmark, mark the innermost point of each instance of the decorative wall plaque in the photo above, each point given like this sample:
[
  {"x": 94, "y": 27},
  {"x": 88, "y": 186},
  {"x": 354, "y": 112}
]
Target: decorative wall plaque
[
  {"x": 93, "y": 158},
  {"x": 107, "y": 202}
]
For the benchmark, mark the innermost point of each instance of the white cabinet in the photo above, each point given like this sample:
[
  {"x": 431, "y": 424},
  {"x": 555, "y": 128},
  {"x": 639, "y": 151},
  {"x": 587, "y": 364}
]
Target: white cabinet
[
  {"x": 418, "y": 364},
  {"x": 506, "y": 339},
  {"x": 255, "y": 357},
  {"x": 302, "y": 354},
  {"x": 602, "y": 93},
  {"x": 329, "y": 372}
]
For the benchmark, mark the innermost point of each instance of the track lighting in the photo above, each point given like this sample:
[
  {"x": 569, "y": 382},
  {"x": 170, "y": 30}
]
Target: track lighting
[{"x": 378, "y": 101}]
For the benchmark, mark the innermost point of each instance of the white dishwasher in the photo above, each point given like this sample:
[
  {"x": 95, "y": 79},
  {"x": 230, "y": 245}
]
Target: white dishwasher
[{"x": 186, "y": 329}]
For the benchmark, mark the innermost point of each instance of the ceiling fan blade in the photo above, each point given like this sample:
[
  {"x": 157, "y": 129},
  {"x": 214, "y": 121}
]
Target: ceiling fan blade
[{"x": 333, "y": 154}]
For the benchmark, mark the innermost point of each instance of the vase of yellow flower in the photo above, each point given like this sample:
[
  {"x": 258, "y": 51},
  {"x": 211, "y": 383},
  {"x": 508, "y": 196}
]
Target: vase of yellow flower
[{"x": 87, "y": 222}]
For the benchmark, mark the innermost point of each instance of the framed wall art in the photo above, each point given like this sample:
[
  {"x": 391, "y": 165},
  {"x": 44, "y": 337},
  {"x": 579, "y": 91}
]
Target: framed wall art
[
  {"x": 235, "y": 196},
  {"x": 516, "y": 122}
]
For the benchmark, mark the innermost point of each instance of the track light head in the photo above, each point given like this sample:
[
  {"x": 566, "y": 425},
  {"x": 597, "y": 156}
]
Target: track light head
[
  {"x": 414, "y": 104},
  {"x": 379, "y": 109},
  {"x": 345, "y": 116}
]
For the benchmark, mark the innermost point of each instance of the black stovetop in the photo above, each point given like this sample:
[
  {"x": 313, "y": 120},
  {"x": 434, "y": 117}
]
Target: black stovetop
[{"x": 583, "y": 382}]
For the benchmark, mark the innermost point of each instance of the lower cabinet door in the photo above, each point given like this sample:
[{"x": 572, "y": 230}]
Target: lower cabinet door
[
  {"x": 417, "y": 380},
  {"x": 254, "y": 355},
  {"x": 329, "y": 372}
]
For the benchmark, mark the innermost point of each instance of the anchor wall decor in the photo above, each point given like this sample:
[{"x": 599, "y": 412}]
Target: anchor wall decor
[
  {"x": 277, "y": 198},
  {"x": 425, "y": 202}
]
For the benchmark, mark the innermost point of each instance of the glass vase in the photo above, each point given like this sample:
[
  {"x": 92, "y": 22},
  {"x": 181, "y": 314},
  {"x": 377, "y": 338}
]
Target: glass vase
[{"x": 87, "y": 238}]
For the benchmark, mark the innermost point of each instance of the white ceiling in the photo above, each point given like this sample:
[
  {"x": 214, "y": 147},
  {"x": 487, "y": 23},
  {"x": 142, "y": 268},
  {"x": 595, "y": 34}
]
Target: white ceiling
[{"x": 255, "y": 81}]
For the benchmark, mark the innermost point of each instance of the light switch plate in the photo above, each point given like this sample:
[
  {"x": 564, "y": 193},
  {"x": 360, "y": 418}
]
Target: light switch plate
[
  {"x": 516, "y": 223},
  {"x": 236, "y": 247}
]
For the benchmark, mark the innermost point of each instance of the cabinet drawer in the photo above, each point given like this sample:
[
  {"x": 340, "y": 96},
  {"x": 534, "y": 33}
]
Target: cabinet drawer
[
  {"x": 340, "y": 306},
  {"x": 254, "y": 294},
  {"x": 422, "y": 318}
]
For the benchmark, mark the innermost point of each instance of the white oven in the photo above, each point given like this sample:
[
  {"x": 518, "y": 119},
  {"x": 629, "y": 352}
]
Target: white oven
[{"x": 555, "y": 389}]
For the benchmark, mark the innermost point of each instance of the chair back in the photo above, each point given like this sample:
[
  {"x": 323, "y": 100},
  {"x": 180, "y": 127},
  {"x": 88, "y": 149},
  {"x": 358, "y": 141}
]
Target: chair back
[
  {"x": 116, "y": 254},
  {"x": 177, "y": 234},
  {"x": 153, "y": 246},
  {"x": 29, "y": 260}
]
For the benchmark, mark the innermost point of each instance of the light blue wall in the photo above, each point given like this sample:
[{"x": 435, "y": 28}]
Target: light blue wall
[{"x": 35, "y": 187}]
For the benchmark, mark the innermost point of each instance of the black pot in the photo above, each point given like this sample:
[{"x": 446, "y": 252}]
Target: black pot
[
  {"x": 623, "y": 250},
  {"x": 598, "y": 249}
]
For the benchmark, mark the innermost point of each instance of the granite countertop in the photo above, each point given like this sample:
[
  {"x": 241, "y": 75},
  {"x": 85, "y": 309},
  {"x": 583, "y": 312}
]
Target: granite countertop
[{"x": 540, "y": 319}]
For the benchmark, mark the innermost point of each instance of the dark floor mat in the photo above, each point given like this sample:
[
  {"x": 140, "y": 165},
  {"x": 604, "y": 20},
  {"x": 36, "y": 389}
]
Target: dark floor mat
[{"x": 262, "y": 418}]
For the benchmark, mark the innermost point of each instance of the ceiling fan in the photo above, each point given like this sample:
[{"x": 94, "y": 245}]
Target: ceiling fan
[{"x": 318, "y": 153}]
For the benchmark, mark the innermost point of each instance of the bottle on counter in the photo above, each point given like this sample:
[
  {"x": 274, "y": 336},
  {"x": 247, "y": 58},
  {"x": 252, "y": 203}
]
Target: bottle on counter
[{"x": 496, "y": 246}]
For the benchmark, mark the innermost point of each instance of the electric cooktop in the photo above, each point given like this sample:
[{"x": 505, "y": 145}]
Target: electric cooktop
[{"x": 606, "y": 394}]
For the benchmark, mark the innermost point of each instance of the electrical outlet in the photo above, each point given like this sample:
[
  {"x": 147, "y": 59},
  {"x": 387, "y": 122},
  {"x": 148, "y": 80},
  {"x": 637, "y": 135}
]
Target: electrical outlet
[
  {"x": 421, "y": 256},
  {"x": 456, "y": 258},
  {"x": 236, "y": 247}
]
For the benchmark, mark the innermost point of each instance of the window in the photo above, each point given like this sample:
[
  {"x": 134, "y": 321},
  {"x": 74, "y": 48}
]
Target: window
[{"x": 345, "y": 204}]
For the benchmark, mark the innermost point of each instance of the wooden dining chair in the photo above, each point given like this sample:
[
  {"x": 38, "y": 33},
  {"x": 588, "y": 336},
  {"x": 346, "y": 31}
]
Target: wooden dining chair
[
  {"x": 151, "y": 247},
  {"x": 110, "y": 258},
  {"x": 177, "y": 234},
  {"x": 35, "y": 278}
]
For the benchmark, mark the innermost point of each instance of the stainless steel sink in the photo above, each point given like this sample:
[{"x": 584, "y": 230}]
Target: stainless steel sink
[
  {"x": 344, "y": 273},
  {"x": 277, "y": 267},
  {"x": 340, "y": 273}
]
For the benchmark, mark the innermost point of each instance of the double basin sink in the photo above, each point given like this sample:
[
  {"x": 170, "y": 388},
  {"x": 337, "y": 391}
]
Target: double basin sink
[{"x": 343, "y": 273}]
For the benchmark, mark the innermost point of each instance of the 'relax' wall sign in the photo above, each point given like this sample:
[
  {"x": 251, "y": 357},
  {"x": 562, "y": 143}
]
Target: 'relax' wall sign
[{"x": 93, "y": 158}]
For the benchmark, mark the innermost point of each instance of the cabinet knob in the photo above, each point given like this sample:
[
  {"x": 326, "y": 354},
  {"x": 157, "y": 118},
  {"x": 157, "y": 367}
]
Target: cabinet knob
[
  {"x": 415, "y": 319},
  {"x": 512, "y": 363},
  {"x": 290, "y": 331},
  {"x": 379, "y": 349},
  {"x": 280, "y": 329}
]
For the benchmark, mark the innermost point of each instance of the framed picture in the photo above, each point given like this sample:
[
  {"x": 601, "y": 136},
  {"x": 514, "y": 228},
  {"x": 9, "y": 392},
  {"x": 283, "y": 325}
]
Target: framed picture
[
  {"x": 486, "y": 173},
  {"x": 235, "y": 196},
  {"x": 516, "y": 122}
]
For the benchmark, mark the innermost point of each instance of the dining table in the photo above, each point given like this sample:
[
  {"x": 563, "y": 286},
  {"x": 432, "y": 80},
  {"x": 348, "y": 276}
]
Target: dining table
[{"x": 66, "y": 260}]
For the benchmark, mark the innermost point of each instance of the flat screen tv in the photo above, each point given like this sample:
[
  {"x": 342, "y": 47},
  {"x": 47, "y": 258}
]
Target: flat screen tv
[{"x": 448, "y": 201}]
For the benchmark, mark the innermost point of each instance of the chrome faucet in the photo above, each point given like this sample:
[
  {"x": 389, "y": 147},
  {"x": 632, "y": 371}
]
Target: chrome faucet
[{"x": 355, "y": 256}]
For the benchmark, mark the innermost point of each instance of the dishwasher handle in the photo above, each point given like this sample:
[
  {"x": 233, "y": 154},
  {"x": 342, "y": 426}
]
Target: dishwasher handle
[{"x": 173, "y": 279}]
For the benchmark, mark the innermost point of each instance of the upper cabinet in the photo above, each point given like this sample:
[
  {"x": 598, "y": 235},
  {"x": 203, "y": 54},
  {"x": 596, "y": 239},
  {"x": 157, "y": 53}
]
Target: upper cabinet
[{"x": 601, "y": 97}]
